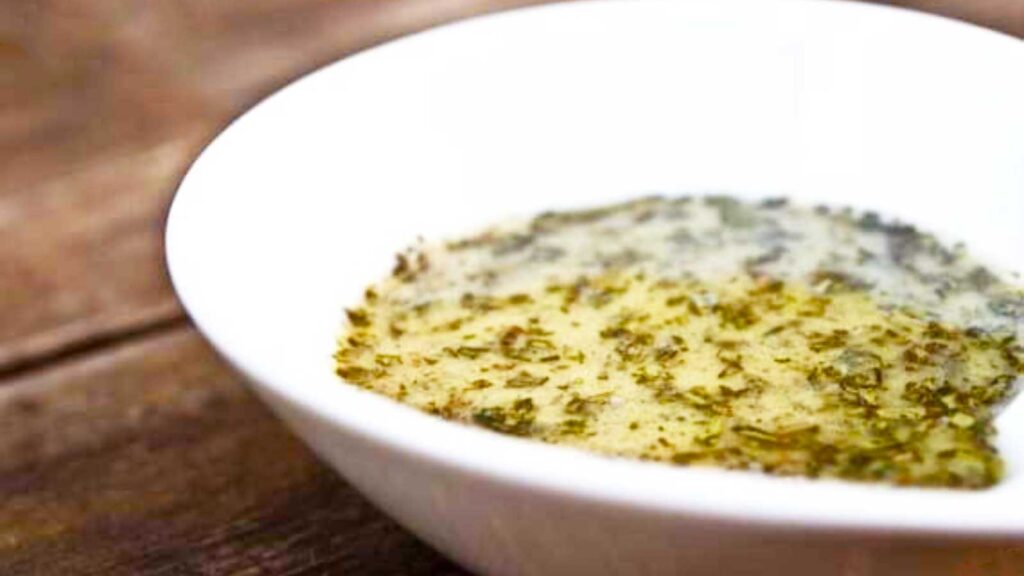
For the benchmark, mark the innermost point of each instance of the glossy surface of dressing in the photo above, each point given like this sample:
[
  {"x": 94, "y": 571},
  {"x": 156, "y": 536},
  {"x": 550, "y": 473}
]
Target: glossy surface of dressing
[{"x": 706, "y": 331}]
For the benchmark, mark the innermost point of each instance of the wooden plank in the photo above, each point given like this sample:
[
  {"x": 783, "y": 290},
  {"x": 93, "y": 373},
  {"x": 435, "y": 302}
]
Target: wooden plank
[
  {"x": 80, "y": 258},
  {"x": 153, "y": 459},
  {"x": 104, "y": 108},
  {"x": 1003, "y": 15}
]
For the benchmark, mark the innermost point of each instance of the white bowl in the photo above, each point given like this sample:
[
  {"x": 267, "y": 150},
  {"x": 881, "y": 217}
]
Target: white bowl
[{"x": 302, "y": 202}]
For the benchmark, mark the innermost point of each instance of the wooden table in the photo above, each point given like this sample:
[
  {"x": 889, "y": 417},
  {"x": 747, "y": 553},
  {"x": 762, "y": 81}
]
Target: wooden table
[{"x": 126, "y": 446}]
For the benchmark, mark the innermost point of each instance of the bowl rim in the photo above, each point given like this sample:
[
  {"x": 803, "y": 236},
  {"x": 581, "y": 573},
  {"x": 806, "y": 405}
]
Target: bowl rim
[{"x": 565, "y": 472}]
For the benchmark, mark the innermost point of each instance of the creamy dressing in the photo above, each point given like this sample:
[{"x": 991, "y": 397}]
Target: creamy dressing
[{"x": 706, "y": 332}]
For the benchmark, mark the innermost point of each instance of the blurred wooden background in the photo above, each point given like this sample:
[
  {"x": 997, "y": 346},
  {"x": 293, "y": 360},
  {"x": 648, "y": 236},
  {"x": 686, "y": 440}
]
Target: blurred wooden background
[{"x": 126, "y": 447}]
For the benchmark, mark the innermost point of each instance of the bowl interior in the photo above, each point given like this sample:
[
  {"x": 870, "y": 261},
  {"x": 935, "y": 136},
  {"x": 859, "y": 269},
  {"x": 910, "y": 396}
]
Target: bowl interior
[{"x": 303, "y": 201}]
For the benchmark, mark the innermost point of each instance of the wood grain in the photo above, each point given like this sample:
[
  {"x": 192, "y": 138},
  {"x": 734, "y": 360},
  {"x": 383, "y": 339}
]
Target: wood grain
[
  {"x": 152, "y": 459},
  {"x": 105, "y": 105},
  {"x": 1004, "y": 15},
  {"x": 81, "y": 255}
]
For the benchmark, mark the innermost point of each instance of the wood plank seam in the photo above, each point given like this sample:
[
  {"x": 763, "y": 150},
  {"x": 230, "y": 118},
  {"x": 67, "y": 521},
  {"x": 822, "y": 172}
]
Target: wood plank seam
[{"x": 95, "y": 343}]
